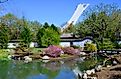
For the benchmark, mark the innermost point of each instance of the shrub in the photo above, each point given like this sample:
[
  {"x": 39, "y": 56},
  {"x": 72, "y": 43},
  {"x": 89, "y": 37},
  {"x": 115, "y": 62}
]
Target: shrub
[
  {"x": 70, "y": 50},
  {"x": 106, "y": 44},
  {"x": 47, "y": 37},
  {"x": 3, "y": 54},
  {"x": 90, "y": 47},
  {"x": 53, "y": 51}
]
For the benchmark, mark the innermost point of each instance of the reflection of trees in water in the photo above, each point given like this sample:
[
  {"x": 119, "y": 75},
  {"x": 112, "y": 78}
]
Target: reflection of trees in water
[
  {"x": 21, "y": 70},
  {"x": 52, "y": 68},
  {"x": 4, "y": 69},
  {"x": 18, "y": 70},
  {"x": 58, "y": 64},
  {"x": 87, "y": 64},
  {"x": 52, "y": 65}
]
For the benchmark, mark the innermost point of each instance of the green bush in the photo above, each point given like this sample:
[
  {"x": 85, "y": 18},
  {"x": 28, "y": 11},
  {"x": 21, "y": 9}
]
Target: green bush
[
  {"x": 47, "y": 37},
  {"x": 106, "y": 44},
  {"x": 90, "y": 47},
  {"x": 3, "y": 54}
]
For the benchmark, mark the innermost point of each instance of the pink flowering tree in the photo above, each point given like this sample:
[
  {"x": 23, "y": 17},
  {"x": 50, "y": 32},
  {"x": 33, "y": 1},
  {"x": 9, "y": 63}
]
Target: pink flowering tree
[
  {"x": 53, "y": 51},
  {"x": 71, "y": 51}
]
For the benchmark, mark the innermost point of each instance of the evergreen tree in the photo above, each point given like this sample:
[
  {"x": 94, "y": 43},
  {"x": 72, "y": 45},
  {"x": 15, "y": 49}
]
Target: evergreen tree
[
  {"x": 4, "y": 36},
  {"x": 26, "y": 35}
]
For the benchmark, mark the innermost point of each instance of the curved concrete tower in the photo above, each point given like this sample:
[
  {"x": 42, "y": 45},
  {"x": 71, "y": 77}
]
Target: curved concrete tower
[{"x": 79, "y": 10}]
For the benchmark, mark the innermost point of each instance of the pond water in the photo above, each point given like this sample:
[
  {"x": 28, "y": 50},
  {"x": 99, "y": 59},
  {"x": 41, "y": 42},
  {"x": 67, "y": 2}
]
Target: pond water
[{"x": 39, "y": 69}]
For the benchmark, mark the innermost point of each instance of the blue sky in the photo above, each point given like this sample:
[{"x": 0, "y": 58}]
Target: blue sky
[{"x": 51, "y": 11}]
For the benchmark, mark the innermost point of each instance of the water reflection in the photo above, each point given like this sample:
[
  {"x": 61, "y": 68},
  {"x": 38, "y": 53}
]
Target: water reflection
[{"x": 38, "y": 70}]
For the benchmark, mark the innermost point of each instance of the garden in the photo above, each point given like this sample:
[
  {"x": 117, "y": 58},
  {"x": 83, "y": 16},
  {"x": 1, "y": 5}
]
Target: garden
[{"x": 49, "y": 59}]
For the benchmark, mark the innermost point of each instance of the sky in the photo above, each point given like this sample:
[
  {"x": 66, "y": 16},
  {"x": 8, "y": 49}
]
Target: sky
[{"x": 52, "y": 11}]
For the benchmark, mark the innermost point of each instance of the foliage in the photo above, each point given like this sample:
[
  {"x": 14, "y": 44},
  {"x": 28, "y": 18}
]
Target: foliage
[
  {"x": 46, "y": 25},
  {"x": 87, "y": 64},
  {"x": 34, "y": 26},
  {"x": 39, "y": 36},
  {"x": 4, "y": 36},
  {"x": 53, "y": 51},
  {"x": 107, "y": 44},
  {"x": 8, "y": 19},
  {"x": 101, "y": 21},
  {"x": 26, "y": 36},
  {"x": 50, "y": 37},
  {"x": 107, "y": 8},
  {"x": 12, "y": 22},
  {"x": 120, "y": 46},
  {"x": 54, "y": 28},
  {"x": 3, "y": 54},
  {"x": 90, "y": 47},
  {"x": 70, "y": 50}
]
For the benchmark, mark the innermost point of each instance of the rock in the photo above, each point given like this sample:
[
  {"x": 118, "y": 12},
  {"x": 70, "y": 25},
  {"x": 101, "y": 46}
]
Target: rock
[
  {"x": 9, "y": 57},
  {"x": 89, "y": 72},
  {"x": 98, "y": 68},
  {"x": 108, "y": 66},
  {"x": 85, "y": 76},
  {"x": 82, "y": 53},
  {"x": 62, "y": 62},
  {"x": 27, "y": 59},
  {"x": 45, "y": 58},
  {"x": 62, "y": 52},
  {"x": 114, "y": 62},
  {"x": 45, "y": 61},
  {"x": 93, "y": 71}
]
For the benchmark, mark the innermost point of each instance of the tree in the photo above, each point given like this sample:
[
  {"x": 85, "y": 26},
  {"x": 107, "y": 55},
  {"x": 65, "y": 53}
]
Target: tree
[
  {"x": 10, "y": 21},
  {"x": 107, "y": 8},
  {"x": 39, "y": 36},
  {"x": 54, "y": 28},
  {"x": 4, "y": 36},
  {"x": 47, "y": 36},
  {"x": 34, "y": 28},
  {"x": 107, "y": 44},
  {"x": 102, "y": 22},
  {"x": 50, "y": 37},
  {"x": 26, "y": 35},
  {"x": 46, "y": 25}
]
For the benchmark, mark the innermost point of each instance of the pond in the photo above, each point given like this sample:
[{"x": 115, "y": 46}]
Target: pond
[{"x": 40, "y": 69}]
